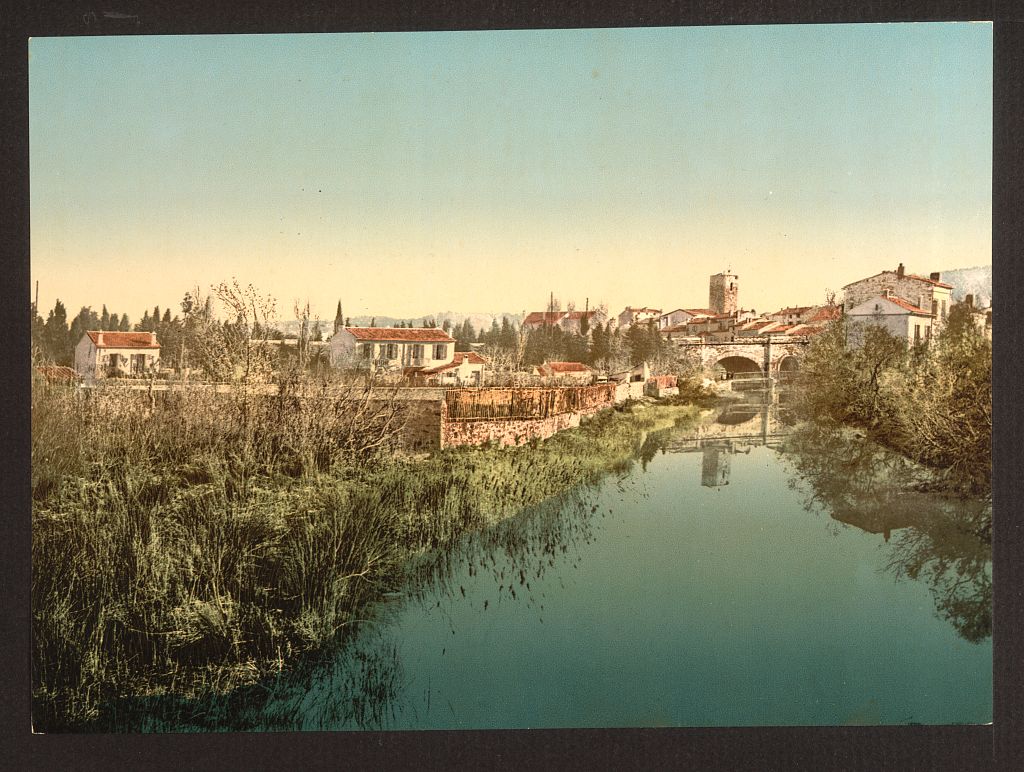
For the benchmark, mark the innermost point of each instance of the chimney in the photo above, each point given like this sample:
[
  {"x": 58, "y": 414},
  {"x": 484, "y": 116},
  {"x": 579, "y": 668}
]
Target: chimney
[
  {"x": 152, "y": 338},
  {"x": 886, "y": 293},
  {"x": 969, "y": 300},
  {"x": 899, "y": 271},
  {"x": 935, "y": 276},
  {"x": 99, "y": 339}
]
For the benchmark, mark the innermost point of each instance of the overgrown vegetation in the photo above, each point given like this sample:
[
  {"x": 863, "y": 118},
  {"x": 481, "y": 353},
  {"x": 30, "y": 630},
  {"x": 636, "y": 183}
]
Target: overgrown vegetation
[
  {"x": 190, "y": 540},
  {"x": 933, "y": 403}
]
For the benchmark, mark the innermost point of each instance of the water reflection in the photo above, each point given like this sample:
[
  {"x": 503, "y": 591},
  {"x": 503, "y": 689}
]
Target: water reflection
[
  {"x": 942, "y": 540},
  {"x": 512, "y": 572}
]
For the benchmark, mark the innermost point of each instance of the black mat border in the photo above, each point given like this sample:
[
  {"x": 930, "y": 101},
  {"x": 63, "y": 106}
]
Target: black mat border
[{"x": 762, "y": 749}]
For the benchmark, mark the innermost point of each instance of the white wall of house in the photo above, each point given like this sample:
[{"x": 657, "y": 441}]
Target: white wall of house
[
  {"x": 347, "y": 350},
  {"x": 96, "y": 362},
  {"x": 907, "y": 325},
  {"x": 465, "y": 373}
]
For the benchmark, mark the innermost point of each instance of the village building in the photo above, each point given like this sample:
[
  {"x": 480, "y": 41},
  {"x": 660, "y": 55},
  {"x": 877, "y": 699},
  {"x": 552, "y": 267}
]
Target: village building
[
  {"x": 899, "y": 316},
  {"x": 391, "y": 349},
  {"x": 565, "y": 371},
  {"x": 980, "y": 317},
  {"x": 102, "y": 354},
  {"x": 791, "y": 314},
  {"x": 674, "y": 319},
  {"x": 466, "y": 369},
  {"x": 631, "y": 316},
  {"x": 569, "y": 321},
  {"x": 929, "y": 293}
]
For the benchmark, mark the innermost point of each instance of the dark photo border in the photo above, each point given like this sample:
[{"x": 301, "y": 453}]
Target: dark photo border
[{"x": 869, "y": 748}]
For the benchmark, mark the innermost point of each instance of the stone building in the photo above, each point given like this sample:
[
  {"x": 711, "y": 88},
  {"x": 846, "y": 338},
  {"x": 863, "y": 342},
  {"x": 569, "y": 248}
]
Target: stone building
[
  {"x": 929, "y": 293},
  {"x": 724, "y": 295}
]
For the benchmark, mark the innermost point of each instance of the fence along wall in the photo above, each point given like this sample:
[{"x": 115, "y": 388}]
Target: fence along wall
[{"x": 517, "y": 415}]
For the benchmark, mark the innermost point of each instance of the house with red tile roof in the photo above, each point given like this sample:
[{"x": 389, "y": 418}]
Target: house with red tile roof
[
  {"x": 108, "y": 354},
  {"x": 391, "y": 349},
  {"x": 899, "y": 316},
  {"x": 631, "y": 316},
  {"x": 569, "y": 321},
  {"x": 929, "y": 293},
  {"x": 573, "y": 371},
  {"x": 466, "y": 369}
]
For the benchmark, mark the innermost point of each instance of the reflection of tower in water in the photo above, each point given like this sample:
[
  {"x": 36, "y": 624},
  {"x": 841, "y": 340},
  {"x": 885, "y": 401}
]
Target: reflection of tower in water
[{"x": 714, "y": 471}]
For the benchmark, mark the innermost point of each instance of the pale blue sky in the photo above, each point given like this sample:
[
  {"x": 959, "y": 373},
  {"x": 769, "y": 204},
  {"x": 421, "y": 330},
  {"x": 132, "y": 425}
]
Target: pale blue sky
[{"x": 411, "y": 173}]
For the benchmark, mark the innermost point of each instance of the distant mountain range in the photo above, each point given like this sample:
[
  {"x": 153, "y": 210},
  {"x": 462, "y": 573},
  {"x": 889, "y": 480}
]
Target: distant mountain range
[{"x": 971, "y": 281}]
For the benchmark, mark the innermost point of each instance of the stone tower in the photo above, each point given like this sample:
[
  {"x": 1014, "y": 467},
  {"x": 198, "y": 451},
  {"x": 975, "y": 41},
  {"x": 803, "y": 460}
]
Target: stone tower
[{"x": 725, "y": 289}]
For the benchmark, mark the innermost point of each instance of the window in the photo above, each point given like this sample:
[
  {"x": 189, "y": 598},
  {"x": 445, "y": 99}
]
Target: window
[
  {"x": 389, "y": 351},
  {"x": 366, "y": 350},
  {"x": 943, "y": 309},
  {"x": 935, "y": 308},
  {"x": 417, "y": 351},
  {"x": 440, "y": 350},
  {"x": 917, "y": 333}
]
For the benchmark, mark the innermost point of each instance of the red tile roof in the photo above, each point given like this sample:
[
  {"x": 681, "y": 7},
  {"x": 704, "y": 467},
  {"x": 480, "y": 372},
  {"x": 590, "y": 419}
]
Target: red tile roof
[
  {"x": 576, "y": 315},
  {"x": 699, "y": 311},
  {"x": 472, "y": 358},
  {"x": 415, "y": 334},
  {"x": 928, "y": 279},
  {"x": 925, "y": 279},
  {"x": 123, "y": 339},
  {"x": 907, "y": 305},
  {"x": 566, "y": 367},
  {"x": 542, "y": 317},
  {"x": 824, "y": 314},
  {"x": 793, "y": 310}
]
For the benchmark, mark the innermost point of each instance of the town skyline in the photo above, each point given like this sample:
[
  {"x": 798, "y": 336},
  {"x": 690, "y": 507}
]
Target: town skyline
[{"x": 410, "y": 173}]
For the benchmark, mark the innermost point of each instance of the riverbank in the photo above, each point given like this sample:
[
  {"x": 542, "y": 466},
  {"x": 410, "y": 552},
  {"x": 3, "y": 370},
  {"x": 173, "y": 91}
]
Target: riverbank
[{"x": 179, "y": 548}]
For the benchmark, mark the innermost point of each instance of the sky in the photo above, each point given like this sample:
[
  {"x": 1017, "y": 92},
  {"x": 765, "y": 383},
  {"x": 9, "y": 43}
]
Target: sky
[{"x": 405, "y": 174}]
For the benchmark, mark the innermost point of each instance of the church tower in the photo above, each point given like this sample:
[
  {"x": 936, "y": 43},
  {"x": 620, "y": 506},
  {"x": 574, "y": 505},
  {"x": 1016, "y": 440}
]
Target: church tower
[{"x": 724, "y": 293}]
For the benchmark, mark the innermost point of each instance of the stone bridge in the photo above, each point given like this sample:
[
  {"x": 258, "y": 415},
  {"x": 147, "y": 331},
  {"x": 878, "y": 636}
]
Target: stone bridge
[{"x": 767, "y": 357}]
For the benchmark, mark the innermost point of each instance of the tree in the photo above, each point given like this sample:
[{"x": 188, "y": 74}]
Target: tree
[
  {"x": 125, "y": 325},
  {"x": 318, "y": 334},
  {"x": 105, "y": 319},
  {"x": 339, "y": 318},
  {"x": 56, "y": 341}
]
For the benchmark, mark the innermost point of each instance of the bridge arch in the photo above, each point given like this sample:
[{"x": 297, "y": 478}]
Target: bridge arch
[
  {"x": 736, "y": 363},
  {"x": 789, "y": 363}
]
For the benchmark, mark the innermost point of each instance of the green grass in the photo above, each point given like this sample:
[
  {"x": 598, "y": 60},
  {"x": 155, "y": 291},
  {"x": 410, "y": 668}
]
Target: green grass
[{"x": 198, "y": 542}]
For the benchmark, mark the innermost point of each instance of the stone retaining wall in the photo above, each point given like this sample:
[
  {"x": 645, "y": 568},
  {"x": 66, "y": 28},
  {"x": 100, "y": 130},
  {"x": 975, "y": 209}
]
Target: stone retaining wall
[{"x": 508, "y": 431}]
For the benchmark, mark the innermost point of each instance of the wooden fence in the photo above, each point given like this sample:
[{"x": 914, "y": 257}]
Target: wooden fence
[{"x": 528, "y": 402}]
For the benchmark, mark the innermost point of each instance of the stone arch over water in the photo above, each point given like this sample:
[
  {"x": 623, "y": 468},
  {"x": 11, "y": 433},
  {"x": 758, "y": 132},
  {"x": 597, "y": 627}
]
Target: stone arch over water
[{"x": 735, "y": 363}]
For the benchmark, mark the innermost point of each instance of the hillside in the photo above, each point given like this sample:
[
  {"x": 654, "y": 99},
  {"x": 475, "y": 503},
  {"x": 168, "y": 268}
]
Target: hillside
[{"x": 975, "y": 281}]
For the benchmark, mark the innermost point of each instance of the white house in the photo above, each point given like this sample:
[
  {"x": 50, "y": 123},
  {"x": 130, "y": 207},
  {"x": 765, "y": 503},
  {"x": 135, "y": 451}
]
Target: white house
[
  {"x": 391, "y": 348},
  {"x": 102, "y": 354},
  {"x": 465, "y": 369},
  {"x": 899, "y": 316}
]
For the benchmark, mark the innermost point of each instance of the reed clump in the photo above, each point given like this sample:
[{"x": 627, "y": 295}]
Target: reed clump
[{"x": 194, "y": 541}]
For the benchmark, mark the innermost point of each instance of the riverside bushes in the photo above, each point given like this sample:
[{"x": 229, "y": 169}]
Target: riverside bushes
[
  {"x": 933, "y": 404},
  {"x": 190, "y": 541}
]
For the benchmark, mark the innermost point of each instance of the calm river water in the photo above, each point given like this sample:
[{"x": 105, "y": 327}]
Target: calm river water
[{"x": 731, "y": 575}]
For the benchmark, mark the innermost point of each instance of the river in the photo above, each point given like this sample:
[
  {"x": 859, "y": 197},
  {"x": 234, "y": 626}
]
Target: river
[{"x": 739, "y": 573}]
